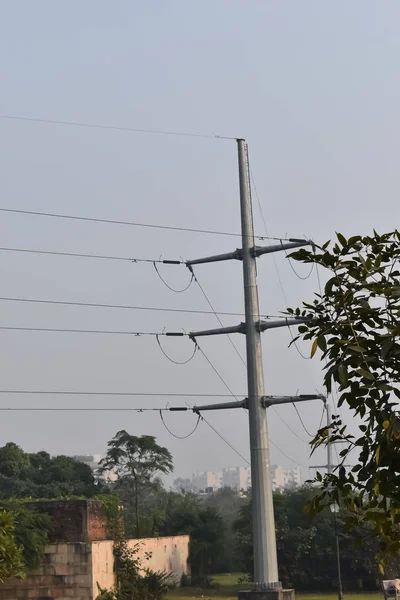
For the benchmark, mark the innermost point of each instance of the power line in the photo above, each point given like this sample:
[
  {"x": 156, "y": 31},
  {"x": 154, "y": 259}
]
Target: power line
[
  {"x": 90, "y": 331},
  {"x": 288, "y": 426},
  {"x": 78, "y": 409},
  {"x": 286, "y": 455},
  {"x": 278, "y": 275},
  {"x": 225, "y": 440},
  {"x": 301, "y": 420},
  {"x": 216, "y": 371},
  {"x": 127, "y": 307},
  {"x": 180, "y": 437},
  {"x": 178, "y": 291},
  {"x": 116, "y": 128},
  {"x": 97, "y": 256},
  {"x": 176, "y": 362},
  {"x": 139, "y": 394},
  {"x": 216, "y": 315},
  {"x": 127, "y": 223}
]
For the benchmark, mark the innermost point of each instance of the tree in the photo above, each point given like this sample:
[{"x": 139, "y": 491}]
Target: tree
[
  {"x": 11, "y": 553},
  {"x": 13, "y": 460},
  {"x": 24, "y": 475},
  {"x": 306, "y": 546},
  {"x": 31, "y": 531},
  {"x": 354, "y": 322},
  {"x": 136, "y": 461}
]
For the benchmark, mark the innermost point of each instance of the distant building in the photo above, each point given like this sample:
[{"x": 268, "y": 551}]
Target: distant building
[
  {"x": 93, "y": 461},
  {"x": 283, "y": 478},
  {"x": 237, "y": 478},
  {"x": 207, "y": 479}
]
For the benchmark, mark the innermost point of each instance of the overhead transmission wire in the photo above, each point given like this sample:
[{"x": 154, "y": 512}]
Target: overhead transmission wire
[
  {"x": 335, "y": 403},
  {"x": 172, "y": 289},
  {"x": 123, "y": 306},
  {"x": 294, "y": 270},
  {"x": 278, "y": 275},
  {"x": 78, "y": 409},
  {"x": 216, "y": 314},
  {"x": 216, "y": 371},
  {"x": 88, "y": 331},
  {"x": 128, "y": 223},
  {"x": 286, "y": 455},
  {"x": 180, "y": 437},
  {"x": 176, "y": 362},
  {"x": 284, "y": 297},
  {"x": 288, "y": 426},
  {"x": 116, "y": 127},
  {"x": 225, "y": 440},
  {"x": 301, "y": 419},
  {"x": 113, "y": 393},
  {"x": 96, "y": 256}
]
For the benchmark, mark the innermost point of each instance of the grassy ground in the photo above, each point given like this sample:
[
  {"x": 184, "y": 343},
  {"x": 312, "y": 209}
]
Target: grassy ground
[{"x": 229, "y": 588}]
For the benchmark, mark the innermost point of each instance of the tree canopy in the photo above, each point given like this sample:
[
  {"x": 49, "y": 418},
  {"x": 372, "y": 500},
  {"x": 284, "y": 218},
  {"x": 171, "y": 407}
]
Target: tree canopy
[
  {"x": 24, "y": 475},
  {"x": 136, "y": 461},
  {"x": 354, "y": 322}
]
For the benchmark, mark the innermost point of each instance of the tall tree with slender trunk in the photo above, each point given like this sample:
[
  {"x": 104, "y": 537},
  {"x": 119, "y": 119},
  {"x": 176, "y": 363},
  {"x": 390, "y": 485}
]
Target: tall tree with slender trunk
[{"x": 136, "y": 462}]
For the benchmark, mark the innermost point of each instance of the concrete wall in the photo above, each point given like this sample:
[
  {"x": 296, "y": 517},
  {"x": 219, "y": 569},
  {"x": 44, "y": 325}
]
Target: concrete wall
[
  {"x": 170, "y": 554},
  {"x": 102, "y": 566},
  {"x": 72, "y": 570},
  {"x": 66, "y": 573},
  {"x": 74, "y": 520}
]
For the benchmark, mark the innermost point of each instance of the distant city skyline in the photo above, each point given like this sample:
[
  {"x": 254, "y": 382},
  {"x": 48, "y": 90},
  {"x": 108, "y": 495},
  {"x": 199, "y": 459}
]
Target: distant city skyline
[{"x": 238, "y": 478}]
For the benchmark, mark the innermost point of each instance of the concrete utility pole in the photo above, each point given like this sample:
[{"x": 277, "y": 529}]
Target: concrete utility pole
[
  {"x": 264, "y": 541},
  {"x": 266, "y": 578},
  {"x": 329, "y": 447}
]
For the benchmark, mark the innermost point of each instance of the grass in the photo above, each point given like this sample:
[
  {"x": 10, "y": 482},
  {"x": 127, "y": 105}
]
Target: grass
[{"x": 229, "y": 588}]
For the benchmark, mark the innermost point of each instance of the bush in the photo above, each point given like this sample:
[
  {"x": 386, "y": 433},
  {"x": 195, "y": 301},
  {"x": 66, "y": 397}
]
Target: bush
[{"x": 199, "y": 581}]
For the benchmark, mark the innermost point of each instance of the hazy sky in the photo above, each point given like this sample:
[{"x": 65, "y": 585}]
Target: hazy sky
[{"x": 314, "y": 88}]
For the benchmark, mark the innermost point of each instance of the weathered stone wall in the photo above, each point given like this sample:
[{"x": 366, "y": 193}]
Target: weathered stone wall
[
  {"x": 66, "y": 573},
  {"x": 74, "y": 520},
  {"x": 73, "y": 570}
]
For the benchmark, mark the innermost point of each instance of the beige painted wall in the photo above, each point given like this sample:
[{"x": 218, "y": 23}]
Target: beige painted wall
[
  {"x": 168, "y": 554},
  {"x": 72, "y": 570},
  {"x": 102, "y": 566}
]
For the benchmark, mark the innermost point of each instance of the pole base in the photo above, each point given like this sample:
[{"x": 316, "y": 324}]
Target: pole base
[{"x": 267, "y": 594}]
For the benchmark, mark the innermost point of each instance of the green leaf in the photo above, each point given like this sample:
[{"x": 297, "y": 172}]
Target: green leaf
[
  {"x": 341, "y": 239},
  {"x": 385, "y": 349},
  {"x": 357, "y": 349},
  {"x": 366, "y": 374},
  {"x": 314, "y": 347},
  {"x": 321, "y": 341},
  {"x": 343, "y": 375}
]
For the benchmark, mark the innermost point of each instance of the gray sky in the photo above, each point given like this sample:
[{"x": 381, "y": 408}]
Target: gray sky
[{"x": 314, "y": 88}]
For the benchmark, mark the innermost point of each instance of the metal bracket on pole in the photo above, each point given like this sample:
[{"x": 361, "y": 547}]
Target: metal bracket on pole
[
  {"x": 268, "y": 401},
  {"x": 241, "y": 328},
  {"x": 221, "y": 406},
  {"x": 256, "y": 251}
]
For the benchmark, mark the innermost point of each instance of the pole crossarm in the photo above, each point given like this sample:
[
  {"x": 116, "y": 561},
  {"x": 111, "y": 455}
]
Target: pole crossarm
[
  {"x": 268, "y": 401},
  {"x": 241, "y": 328},
  {"x": 255, "y": 251},
  {"x": 221, "y": 406}
]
